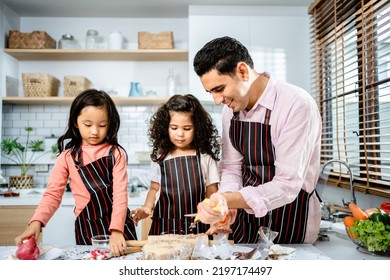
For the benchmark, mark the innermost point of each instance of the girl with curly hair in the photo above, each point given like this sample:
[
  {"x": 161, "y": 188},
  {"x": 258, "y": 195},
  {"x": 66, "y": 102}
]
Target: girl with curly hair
[{"x": 186, "y": 148}]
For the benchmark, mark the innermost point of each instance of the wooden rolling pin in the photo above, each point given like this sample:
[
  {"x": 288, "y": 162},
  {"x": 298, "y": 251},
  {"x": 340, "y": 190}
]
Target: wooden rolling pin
[
  {"x": 136, "y": 243},
  {"x": 131, "y": 250}
]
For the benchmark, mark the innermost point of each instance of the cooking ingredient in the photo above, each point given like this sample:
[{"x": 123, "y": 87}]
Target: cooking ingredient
[
  {"x": 357, "y": 212},
  {"x": 216, "y": 208},
  {"x": 371, "y": 211},
  {"x": 375, "y": 236},
  {"x": 97, "y": 255},
  {"x": 381, "y": 217},
  {"x": 28, "y": 250},
  {"x": 385, "y": 206},
  {"x": 349, "y": 221}
]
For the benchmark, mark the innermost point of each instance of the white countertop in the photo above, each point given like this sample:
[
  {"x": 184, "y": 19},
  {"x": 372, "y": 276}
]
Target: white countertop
[{"x": 33, "y": 197}]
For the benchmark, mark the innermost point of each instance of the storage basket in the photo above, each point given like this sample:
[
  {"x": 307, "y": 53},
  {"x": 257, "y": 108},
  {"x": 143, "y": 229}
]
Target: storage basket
[
  {"x": 163, "y": 40},
  {"x": 73, "y": 85},
  {"x": 39, "y": 85},
  {"x": 33, "y": 40},
  {"x": 21, "y": 182}
]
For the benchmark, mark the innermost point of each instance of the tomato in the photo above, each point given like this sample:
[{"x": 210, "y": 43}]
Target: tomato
[{"x": 385, "y": 206}]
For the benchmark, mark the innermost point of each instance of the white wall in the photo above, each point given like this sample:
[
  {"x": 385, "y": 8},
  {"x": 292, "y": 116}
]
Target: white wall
[{"x": 276, "y": 37}]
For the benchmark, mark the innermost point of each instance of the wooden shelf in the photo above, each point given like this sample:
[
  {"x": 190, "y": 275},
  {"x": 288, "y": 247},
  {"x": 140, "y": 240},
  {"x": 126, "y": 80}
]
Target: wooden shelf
[
  {"x": 99, "y": 55},
  {"x": 68, "y": 100}
]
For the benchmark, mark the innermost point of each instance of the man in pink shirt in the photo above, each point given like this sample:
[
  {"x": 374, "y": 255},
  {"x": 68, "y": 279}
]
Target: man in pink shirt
[{"x": 271, "y": 142}]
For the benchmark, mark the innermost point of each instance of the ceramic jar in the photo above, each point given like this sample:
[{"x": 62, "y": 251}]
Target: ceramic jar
[{"x": 115, "y": 40}]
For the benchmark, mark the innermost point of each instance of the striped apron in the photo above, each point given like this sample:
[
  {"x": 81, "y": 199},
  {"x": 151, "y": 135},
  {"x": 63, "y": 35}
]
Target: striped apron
[
  {"x": 95, "y": 218},
  {"x": 182, "y": 188},
  {"x": 253, "y": 141}
]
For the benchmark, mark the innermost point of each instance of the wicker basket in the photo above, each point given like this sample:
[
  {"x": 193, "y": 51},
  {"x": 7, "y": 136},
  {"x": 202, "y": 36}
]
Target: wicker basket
[
  {"x": 163, "y": 40},
  {"x": 73, "y": 85},
  {"x": 39, "y": 85},
  {"x": 21, "y": 182},
  {"x": 33, "y": 40}
]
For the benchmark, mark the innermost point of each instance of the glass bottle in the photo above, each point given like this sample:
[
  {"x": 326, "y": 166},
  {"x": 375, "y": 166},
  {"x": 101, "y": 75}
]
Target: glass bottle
[
  {"x": 67, "y": 42},
  {"x": 171, "y": 83},
  {"x": 91, "y": 42}
]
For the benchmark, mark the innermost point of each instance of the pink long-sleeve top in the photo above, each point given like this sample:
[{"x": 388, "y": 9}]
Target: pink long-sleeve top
[
  {"x": 64, "y": 169},
  {"x": 296, "y": 136}
]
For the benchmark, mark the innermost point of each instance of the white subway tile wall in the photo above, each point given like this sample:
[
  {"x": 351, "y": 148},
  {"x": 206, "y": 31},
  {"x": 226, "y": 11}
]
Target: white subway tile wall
[{"x": 50, "y": 120}]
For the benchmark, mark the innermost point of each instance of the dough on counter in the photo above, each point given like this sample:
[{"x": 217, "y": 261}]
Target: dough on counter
[{"x": 172, "y": 246}]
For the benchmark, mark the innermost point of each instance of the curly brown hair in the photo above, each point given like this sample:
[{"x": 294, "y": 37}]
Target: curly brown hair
[{"x": 206, "y": 137}]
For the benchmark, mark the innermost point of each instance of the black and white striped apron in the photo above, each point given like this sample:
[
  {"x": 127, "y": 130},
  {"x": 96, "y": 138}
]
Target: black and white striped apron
[
  {"x": 182, "y": 188},
  {"x": 253, "y": 141},
  {"x": 95, "y": 218}
]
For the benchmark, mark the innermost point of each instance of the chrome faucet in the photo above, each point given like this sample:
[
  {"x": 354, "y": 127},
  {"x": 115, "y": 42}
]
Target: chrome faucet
[{"x": 353, "y": 197}]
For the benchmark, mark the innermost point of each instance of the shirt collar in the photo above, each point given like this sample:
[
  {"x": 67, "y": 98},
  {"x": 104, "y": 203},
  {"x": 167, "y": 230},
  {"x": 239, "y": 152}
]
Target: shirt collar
[{"x": 267, "y": 99}]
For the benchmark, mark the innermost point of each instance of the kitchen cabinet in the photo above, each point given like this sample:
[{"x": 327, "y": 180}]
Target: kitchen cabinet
[{"x": 13, "y": 221}]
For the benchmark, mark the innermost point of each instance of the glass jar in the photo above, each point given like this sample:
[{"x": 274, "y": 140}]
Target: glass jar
[
  {"x": 91, "y": 42},
  {"x": 67, "y": 42}
]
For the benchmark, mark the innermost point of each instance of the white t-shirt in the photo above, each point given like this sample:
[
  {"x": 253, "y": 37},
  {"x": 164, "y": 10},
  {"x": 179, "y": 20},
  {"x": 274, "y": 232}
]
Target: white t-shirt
[{"x": 209, "y": 170}]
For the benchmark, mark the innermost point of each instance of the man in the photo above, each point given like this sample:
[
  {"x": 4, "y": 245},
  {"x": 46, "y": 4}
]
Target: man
[{"x": 271, "y": 142}]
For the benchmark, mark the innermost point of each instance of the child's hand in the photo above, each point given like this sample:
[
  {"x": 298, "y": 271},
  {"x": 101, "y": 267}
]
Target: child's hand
[
  {"x": 140, "y": 214},
  {"x": 117, "y": 243},
  {"x": 33, "y": 229}
]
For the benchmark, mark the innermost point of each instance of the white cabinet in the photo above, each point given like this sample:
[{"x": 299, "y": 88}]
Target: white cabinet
[{"x": 59, "y": 231}]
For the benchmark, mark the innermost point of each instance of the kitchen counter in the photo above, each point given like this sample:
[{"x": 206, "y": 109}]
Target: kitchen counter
[
  {"x": 337, "y": 248},
  {"x": 33, "y": 197}
]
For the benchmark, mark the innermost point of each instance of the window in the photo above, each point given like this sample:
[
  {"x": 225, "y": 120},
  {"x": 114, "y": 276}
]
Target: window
[{"x": 350, "y": 54}]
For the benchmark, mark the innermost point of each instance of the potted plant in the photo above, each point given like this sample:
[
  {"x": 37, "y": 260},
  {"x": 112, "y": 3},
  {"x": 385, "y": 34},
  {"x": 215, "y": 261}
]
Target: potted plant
[{"x": 23, "y": 156}]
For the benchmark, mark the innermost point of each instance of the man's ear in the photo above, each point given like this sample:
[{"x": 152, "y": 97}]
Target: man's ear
[{"x": 243, "y": 71}]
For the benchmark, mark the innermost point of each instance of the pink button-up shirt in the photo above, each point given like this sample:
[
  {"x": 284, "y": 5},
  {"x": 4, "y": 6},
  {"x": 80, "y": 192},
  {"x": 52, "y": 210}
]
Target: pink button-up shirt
[{"x": 296, "y": 136}]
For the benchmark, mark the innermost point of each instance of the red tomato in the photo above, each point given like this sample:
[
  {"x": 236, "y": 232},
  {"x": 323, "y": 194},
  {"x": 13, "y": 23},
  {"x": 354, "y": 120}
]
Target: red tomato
[{"x": 385, "y": 206}]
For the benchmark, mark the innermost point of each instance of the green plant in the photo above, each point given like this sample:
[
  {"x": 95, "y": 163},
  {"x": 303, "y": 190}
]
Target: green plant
[{"x": 23, "y": 156}]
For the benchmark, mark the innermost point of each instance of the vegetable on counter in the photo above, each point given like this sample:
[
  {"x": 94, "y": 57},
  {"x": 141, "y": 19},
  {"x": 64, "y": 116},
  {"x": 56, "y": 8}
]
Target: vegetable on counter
[
  {"x": 28, "y": 250},
  {"x": 381, "y": 217},
  {"x": 375, "y": 236},
  {"x": 385, "y": 206},
  {"x": 357, "y": 212}
]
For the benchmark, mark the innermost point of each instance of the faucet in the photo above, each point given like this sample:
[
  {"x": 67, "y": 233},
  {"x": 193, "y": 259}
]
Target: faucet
[{"x": 353, "y": 197}]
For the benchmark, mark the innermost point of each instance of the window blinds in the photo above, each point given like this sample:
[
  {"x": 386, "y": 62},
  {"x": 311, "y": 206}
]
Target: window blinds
[{"x": 350, "y": 69}]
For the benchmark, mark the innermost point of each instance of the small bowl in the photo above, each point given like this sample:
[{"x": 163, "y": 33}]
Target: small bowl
[{"x": 101, "y": 241}]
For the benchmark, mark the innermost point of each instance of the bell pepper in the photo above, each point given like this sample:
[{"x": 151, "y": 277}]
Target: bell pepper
[
  {"x": 385, "y": 206},
  {"x": 380, "y": 217}
]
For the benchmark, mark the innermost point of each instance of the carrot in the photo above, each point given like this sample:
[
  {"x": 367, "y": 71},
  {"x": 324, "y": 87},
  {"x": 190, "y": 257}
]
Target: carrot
[
  {"x": 357, "y": 212},
  {"x": 349, "y": 221}
]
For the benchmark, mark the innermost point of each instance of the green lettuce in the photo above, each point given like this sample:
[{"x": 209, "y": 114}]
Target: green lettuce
[{"x": 375, "y": 236}]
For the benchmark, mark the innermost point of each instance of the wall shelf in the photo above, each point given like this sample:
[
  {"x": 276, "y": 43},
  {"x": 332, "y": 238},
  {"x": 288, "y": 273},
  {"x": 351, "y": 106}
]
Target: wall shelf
[
  {"x": 99, "y": 55},
  {"x": 68, "y": 100}
]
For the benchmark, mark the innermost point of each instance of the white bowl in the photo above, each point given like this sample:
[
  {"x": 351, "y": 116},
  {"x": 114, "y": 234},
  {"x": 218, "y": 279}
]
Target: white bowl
[{"x": 101, "y": 241}]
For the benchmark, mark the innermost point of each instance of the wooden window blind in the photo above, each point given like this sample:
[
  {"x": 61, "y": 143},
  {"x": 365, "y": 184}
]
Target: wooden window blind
[{"x": 350, "y": 69}]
